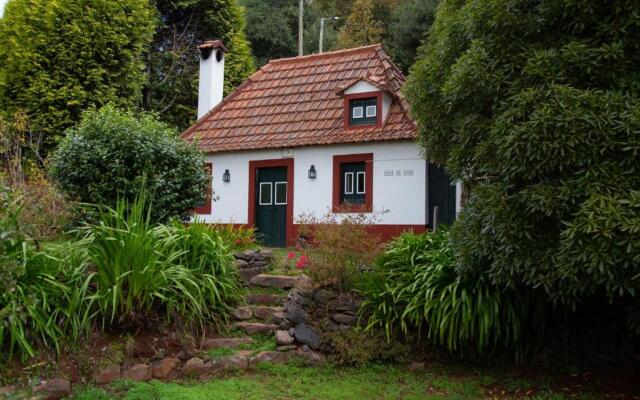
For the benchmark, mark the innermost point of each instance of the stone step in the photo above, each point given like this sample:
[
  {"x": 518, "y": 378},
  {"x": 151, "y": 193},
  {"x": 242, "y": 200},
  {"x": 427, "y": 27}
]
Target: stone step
[
  {"x": 225, "y": 342},
  {"x": 253, "y": 328},
  {"x": 259, "y": 312},
  {"x": 264, "y": 299},
  {"x": 278, "y": 281}
]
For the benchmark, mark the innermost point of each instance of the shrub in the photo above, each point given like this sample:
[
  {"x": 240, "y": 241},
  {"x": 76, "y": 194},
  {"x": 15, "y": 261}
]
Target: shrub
[
  {"x": 544, "y": 131},
  {"x": 340, "y": 247},
  {"x": 42, "y": 294},
  {"x": 415, "y": 283},
  {"x": 355, "y": 347},
  {"x": 145, "y": 272},
  {"x": 110, "y": 153},
  {"x": 238, "y": 237}
]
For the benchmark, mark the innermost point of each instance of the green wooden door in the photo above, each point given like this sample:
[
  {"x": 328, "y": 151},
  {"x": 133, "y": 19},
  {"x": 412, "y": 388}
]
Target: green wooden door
[
  {"x": 442, "y": 194},
  {"x": 271, "y": 205}
]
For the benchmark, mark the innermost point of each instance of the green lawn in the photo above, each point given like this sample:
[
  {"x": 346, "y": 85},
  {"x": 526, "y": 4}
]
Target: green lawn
[{"x": 297, "y": 382}]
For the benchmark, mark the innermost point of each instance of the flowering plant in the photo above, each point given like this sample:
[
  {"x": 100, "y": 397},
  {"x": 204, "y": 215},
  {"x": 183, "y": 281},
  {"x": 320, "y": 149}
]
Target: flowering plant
[{"x": 295, "y": 261}]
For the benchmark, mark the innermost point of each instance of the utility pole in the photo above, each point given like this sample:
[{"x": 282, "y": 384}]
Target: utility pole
[
  {"x": 300, "y": 28},
  {"x": 322, "y": 30}
]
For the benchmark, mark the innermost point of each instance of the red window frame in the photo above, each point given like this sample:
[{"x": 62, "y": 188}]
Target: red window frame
[
  {"x": 206, "y": 208},
  {"x": 365, "y": 207},
  {"x": 365, "y": 95}
]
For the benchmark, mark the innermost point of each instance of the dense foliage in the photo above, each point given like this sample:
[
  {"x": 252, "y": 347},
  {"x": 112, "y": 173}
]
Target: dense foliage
[
  {"x": 121, "y": 271},
  {"x": 415, "y": 283},
  {"x": 535, "y": 106},
  {"x": 145, "y": 271},
  {"x": 59, "y": 57},
  {"x": 338, "y": 247},
  {"x": 173, "y": 61},
  {"x": 408, "y": 28},
  {"x": 361, "y": 28},
  {"x": 111, "y": 152},
  {"x": 41, "y": 296},
  {"x": 272, "y": 27}
]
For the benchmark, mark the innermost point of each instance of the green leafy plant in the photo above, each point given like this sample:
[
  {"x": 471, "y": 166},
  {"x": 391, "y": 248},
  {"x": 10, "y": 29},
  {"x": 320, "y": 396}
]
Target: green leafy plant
[
  {"x": 145, "y": 271},
  {"x": 338, "y": 247},
  {"x": 415, "y": 284},
  {"x": 42, "y": 293},
  {"x": 112, "y": 154}
]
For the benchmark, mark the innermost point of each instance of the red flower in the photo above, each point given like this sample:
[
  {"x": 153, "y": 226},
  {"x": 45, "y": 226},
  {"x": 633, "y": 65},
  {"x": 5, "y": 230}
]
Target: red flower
[
  {"x": 304, "y": 258},
  {"x": 300, "y": 264},
  {"x": 291, "y": 255},
  {"x": 238, "y": 241}
]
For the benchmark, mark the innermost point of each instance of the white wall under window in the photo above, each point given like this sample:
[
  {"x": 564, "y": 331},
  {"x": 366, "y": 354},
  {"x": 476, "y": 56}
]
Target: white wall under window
[{"x": 399, "y": 181}]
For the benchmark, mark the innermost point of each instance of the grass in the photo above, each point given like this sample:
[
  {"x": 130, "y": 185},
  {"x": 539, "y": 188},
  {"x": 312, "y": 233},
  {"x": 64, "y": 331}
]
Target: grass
[
  {"x": 293, "y": 381},
  {"x": 260, "y": 343}
]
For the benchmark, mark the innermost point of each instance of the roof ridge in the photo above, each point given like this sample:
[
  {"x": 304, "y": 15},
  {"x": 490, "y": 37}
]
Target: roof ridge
[{"x": 326, "y": 53}]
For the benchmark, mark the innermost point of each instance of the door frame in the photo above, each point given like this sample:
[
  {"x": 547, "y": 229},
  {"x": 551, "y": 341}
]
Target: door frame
[{"x": 282, "y": 162}]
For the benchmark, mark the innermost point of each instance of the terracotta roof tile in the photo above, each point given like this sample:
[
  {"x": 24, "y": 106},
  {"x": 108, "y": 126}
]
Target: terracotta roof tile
[{"x": 297, "y": 102}]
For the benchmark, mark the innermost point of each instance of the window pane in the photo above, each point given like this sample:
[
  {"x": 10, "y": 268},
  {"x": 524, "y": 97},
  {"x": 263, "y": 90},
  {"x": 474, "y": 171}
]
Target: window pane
[
  {"x": 348, "y": 183},
  {"x": 371, "y": 111},
  {"x": 265, "y": 193},
  {"x": 363, "y": 111},
  {"x": 281, "y": 192},
  {"x": 360, "y": 183},
  {"x": 357, "y": 112}
]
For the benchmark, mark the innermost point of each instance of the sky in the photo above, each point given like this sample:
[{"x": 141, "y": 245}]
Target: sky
[{"x": 2, "y": 3}]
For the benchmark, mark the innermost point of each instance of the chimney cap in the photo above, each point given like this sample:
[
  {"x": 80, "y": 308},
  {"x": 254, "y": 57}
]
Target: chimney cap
[{"x": 213, "y": 44}]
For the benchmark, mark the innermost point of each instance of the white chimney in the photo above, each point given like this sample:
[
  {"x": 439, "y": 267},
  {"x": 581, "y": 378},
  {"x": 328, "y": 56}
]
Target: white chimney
[{"x": 211, "y": 75}]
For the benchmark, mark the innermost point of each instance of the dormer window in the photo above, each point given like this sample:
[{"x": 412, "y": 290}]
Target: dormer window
[{"x": 363, "y": 111}]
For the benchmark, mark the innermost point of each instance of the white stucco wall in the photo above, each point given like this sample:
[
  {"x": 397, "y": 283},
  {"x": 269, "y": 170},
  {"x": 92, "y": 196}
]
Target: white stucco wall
[{"x": 399, "y": 181}]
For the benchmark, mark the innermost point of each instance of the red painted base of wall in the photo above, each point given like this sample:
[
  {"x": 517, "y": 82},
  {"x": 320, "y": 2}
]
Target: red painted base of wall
[{"x": 385, "y": 232}]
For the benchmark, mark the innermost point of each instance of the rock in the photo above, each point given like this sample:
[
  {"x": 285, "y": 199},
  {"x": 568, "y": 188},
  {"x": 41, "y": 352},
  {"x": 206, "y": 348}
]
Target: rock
[
  {"x": 241, "y": 313},
  {"x": 194, "y": 367},
  {"x": 300, "y": 298},
  {"x": 259, "y": 264},
  {"x": 313, "y": 357},
  {"x": 264, "y": 312},
  {"x": 247, "y": 273},
  {"x": 167, "y": 368},
  {"x": 305, "y": 335},
  {"x": 297, "y": 315},
  {"x": 263, "y": 299},
  {"x": 344, "y": 319},
  {"x": 217, "y": 343},
  {"x": 108, "y": 374},
  {"x": 241, "y": 264},
  {"x": 286, "y": 348},
  {"x": 53, "y": 389},
  {"x": 255, "y": 327},
  {"x": 279, "y": 281},
  {"x": 292, "y": 331},
  {"x": 278, "y": 357},
  {"x": 229, "y": 363},
  {"x": 305, "y": 348},
  {"x": 414, "y": 366},
  {"x": 266, "y": 253},
  {"x": 324, "y": 296},
  {"x": 279, "y": 318},
  {"x": 344, "y": 304},
  {"x": 139, "y": 372},
  {"x": 283, "y": 338}
]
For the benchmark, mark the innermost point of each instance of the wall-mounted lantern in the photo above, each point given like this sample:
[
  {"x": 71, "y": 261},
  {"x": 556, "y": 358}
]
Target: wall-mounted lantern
[
  {"x": 226, "y": 177},
  {"x": 312, "y": 172}
]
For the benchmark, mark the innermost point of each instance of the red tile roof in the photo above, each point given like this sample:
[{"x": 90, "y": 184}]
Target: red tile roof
[{"x": 297, "y": 101}]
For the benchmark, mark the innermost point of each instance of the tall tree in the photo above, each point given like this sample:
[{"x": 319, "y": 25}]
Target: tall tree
[
  {"x": 361, "y": 28},
  {"x": 408, "y": 28},
  {"x": 172, "y": 63},
  {"x": 272, "y": 27},
  {"x": 535, "y": 105},
  {"x": 59, "y": 57}
]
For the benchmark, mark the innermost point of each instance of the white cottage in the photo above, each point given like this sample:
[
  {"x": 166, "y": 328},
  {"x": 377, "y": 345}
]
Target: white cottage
[{"x": 320, "y": 133}]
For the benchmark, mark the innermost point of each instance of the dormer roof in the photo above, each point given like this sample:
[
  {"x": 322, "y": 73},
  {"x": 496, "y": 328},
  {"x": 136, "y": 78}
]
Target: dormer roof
[{"x": 297, "y": 101}]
